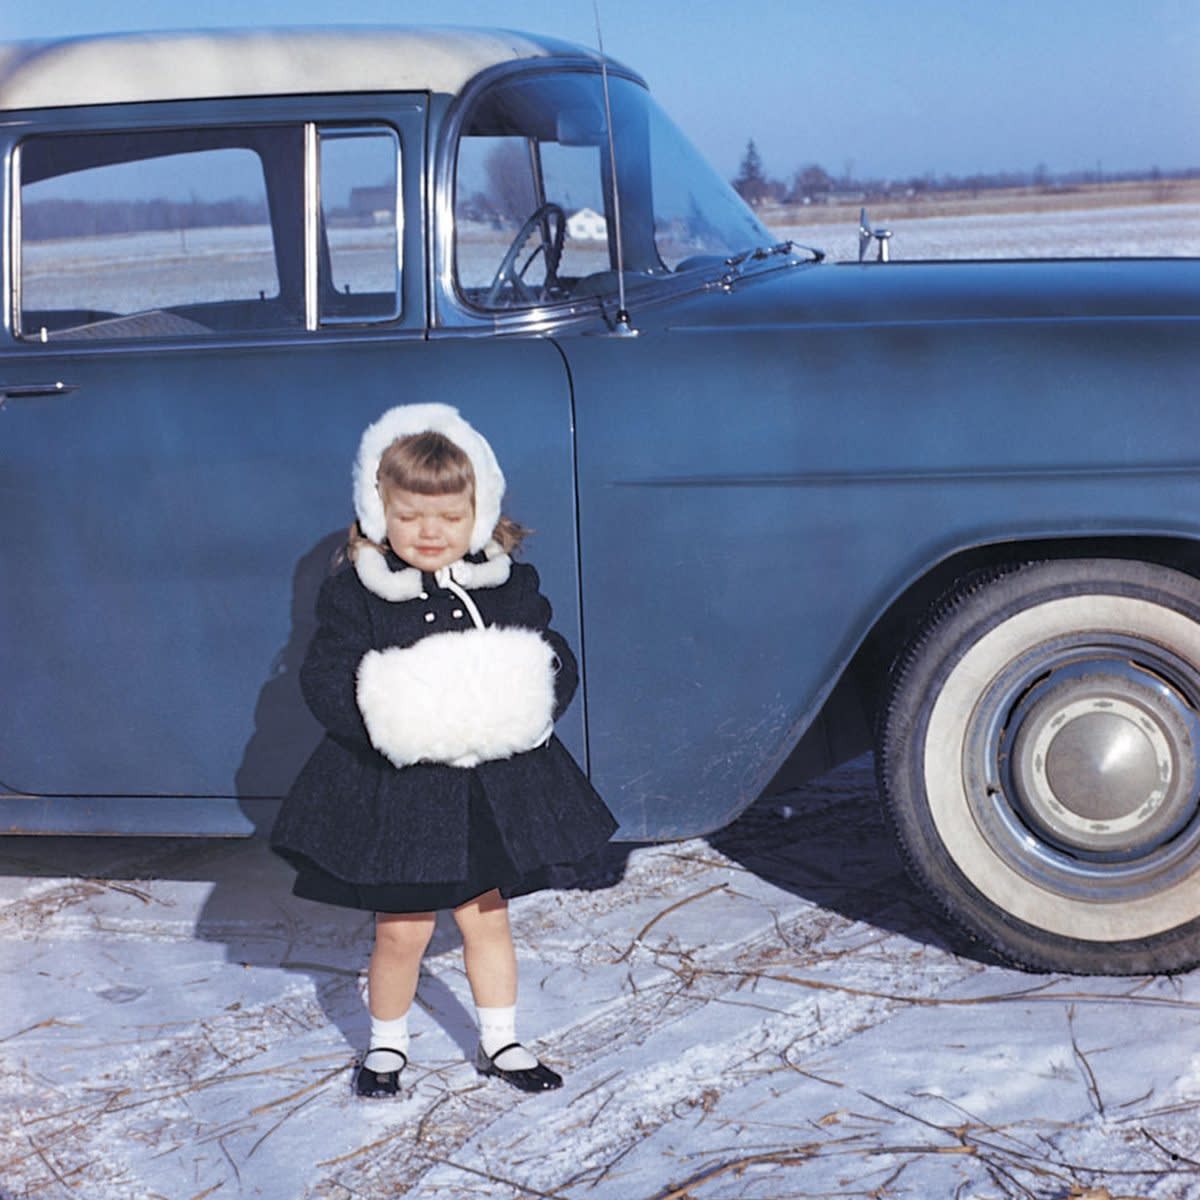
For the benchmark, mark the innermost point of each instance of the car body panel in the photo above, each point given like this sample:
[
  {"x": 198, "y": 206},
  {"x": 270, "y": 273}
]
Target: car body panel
[
  {"x": 194, "y": 500},
  {"x": 769, "y": 486},
  {"x": 938, "y": 292}
]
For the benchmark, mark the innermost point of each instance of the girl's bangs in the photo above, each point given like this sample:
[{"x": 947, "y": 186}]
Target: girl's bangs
[{"x": 429, "y": 464}]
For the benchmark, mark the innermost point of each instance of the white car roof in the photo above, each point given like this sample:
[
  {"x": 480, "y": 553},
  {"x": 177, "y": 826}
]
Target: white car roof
[{"x": 132, "y": 67}]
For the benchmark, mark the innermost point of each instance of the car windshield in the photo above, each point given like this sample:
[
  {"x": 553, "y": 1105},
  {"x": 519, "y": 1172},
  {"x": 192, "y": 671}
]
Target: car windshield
[{"x": 535, "y": 217}]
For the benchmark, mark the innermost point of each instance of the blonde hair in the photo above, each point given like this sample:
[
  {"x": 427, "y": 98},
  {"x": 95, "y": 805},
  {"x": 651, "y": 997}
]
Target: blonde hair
[{"x": 430, "y": 464}]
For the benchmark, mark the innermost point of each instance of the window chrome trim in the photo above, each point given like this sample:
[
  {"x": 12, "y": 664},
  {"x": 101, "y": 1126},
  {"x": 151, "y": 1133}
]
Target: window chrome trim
[
  {"x": 449, "y": 310},
  {"x": 312, "y": 222},
  {"x": 16, "y": 267},
  {"x": 366, "y": 129},
  {"x": 294, "y": 113}
]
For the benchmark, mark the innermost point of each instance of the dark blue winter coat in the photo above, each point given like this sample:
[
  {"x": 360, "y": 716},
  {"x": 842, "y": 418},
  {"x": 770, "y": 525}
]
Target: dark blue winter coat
[{"x": 357, "y": 816}]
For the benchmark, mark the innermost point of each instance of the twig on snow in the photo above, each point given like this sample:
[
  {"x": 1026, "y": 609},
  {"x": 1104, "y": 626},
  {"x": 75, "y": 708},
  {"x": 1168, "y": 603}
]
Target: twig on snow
[
  {"x": 287, "y": 1116},
  {"x": 422, "y": 1125},
  {"x": 170, "y": 1092},
  {"x": 44, "y": 1158},
  {"x": 595, "y": 1087},
  {"x": 367, "y": 1149},
  {"x": 1174, "y": 1155},
  {"x": 94, "y": 1113},
  {"x": 49, "y": 1023},
  {"x": 522, "y": 1189},
  {"x": 1036, "y": 994},
  {"x": 1000, "y": 1173},
  {"x": 612, "y": 1162},
  {"x": 125, "y": 888},
  {"x": 312, "y": 1087},
  {"x": 780, "y": 1158},
  {"x": 637, "y": 941},
  {"x": 216, "y": 1187},
  {"x": 237, "y": 1174},
  {"x": 1089, "y": 1075},
  {"x": 882, "y": 1191},
  {"x": 984, "y": 1148}
]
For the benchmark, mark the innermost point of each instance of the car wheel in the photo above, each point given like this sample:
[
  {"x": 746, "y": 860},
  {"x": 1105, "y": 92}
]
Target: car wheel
[{"x": 1038, "y": 762}]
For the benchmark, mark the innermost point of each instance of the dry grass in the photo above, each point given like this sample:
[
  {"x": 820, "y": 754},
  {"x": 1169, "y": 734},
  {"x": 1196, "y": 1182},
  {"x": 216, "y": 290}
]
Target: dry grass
[{"x": 994, "y": 200}]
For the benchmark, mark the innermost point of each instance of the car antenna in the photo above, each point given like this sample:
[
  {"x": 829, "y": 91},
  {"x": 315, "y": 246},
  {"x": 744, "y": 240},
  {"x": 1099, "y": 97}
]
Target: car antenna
[{"x": 624, "y": 326}]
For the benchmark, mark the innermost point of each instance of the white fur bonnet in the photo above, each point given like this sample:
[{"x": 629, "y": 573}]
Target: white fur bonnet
[{"x": 407, "y": 419}]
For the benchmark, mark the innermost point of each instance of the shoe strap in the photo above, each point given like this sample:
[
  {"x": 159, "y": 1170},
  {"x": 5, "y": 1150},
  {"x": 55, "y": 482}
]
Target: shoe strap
[
  {"x": 503, "y": 1050},
  {"x": 389, "y": 1050}
]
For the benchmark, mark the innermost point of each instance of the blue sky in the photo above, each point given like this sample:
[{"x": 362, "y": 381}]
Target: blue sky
[{"x": 888, "y": 88}]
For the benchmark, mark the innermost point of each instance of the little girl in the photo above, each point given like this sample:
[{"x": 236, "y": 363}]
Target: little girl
[{"x": 439, "y": 783}]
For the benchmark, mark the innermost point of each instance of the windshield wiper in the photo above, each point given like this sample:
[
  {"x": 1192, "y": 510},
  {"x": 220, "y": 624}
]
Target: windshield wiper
[{"x": 737, "y": 264}]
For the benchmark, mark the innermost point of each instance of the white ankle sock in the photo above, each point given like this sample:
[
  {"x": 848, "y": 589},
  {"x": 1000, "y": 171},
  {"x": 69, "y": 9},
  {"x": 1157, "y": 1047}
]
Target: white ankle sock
[
  {"x": 497, "y": 1029},
  {"x": 387, "y": 1036}
]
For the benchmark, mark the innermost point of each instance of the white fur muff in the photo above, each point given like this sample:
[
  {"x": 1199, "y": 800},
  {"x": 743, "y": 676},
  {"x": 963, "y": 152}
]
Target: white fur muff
[{"x": 459, "y": 698}]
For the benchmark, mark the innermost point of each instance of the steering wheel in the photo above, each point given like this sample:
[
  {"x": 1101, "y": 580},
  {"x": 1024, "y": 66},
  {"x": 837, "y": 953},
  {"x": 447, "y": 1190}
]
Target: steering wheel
[{"x": 550, "y": 244}]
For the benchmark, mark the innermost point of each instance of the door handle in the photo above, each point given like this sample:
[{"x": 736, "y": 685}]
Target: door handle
[{"x": 30, "y": 391}]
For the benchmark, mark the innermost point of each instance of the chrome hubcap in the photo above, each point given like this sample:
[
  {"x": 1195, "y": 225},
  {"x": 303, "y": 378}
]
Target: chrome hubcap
[
  {"x": 1095, "y": 759},
  {"x": 1090, "y": 756}
]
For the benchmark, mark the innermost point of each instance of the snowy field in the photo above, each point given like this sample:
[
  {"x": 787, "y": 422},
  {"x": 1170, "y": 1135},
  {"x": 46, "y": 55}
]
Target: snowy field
[
  {"x": 1149, "y": 231},
  {"x": 770, "y": 1013}
]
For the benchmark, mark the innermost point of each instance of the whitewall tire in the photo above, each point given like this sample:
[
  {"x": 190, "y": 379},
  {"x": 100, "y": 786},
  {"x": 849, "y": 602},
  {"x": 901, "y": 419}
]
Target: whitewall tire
[{"x": 1038, "y": 761}]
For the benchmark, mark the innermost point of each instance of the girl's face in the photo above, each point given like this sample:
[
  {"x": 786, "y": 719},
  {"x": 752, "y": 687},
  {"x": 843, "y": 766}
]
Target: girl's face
[{"x": 429, "y": 532}]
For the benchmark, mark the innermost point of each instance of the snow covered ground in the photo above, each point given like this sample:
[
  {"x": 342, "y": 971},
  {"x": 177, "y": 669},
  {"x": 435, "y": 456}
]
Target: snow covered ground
[
  {"x": 1158, "y": 230},
  {"x": 768, "y": 1013}
]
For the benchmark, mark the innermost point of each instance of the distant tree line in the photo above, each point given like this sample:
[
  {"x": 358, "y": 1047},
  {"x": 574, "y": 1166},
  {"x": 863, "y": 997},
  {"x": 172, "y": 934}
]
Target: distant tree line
[
  {"x": 44, "y": 219},
  {"x": 812, "y": 184}
]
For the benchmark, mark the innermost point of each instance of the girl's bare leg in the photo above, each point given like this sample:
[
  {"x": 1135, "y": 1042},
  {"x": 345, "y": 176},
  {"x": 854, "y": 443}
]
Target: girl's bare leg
[
  {"x": 488, "y": 953},
  {"x": 491, "y": 963},
  {"x": 401, "y": 940}
]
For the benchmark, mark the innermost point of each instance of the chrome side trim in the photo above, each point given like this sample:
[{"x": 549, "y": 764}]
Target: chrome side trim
[{"x": 35, "y": 391}]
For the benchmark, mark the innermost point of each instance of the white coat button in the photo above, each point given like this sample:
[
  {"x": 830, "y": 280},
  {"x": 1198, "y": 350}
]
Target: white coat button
[
  {"x": 424, "y": 596},
  {"x": 457, "y": 614},
  {"x": 429, "y": 617}
]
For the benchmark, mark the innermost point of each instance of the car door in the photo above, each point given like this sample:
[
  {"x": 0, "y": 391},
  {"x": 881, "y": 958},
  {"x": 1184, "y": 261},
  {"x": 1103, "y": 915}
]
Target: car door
[{"x": 206, "y": 303}]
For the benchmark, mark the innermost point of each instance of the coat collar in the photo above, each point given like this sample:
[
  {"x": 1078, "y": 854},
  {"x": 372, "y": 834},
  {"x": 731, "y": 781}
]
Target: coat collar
[{"x": 385, "y": 576}]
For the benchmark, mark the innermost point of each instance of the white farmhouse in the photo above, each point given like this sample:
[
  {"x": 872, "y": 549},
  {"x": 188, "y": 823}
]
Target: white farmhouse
[{"x": 587, "y": 225}]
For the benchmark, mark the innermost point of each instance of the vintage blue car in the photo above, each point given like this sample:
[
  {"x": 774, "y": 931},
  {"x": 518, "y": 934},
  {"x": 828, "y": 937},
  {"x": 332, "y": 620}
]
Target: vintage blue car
[{"x": 786, "y": 510}]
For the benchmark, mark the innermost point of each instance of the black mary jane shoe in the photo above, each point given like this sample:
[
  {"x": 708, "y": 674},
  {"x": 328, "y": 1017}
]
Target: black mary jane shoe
[
  {"x": 527, "y": 1079},
  {"x": 379, "y": 1085}
]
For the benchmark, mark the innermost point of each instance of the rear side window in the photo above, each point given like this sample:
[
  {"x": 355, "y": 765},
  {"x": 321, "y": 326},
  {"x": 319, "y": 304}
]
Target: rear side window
[
  {"x": 156, "y": 234},
  {"x": 201, "y": 232}
]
